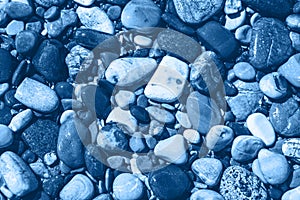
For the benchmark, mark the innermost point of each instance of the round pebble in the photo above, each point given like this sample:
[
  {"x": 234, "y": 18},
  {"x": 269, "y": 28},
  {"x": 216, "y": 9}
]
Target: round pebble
[
  {"x": 274, "y": 85},
  {"x": 6, "y": 136},
  {"x": 243, "y": 34},
  {"x": 219, "y": 137},
  {"x": 26, "y": 41},
  {"x": 244, "y": 71},
  {"x": 114, "y": 12},
  {"x": 127, "y": 186}
]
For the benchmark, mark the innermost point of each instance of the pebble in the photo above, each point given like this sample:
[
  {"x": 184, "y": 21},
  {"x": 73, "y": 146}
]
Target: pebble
[
  {"x": 50, "y": 158},
  {"x": 127, "y": 186},
  {"x": 195, "y": 12},
  {"x": 3, "y": 3},
  {"x": 123, "y": 117},
  {"x": 183, "y": 119},
  {"x": 270, "y": 8},
  {"x": 40, "y": 169},
  {"x": 161, "y": 114},
  {"x": 85, "y": 2},
  {"x": 254, "y": 18},
  {"x": 274, "y": 85},
  {"x": 219, "y": 137},
  {"x": 173, "y": 21},
  {"x": 165, "y": 149},
  {"x": 69, "y": 145},
  {"x": 206, "y": 194},
  {"x": 53, "y": 185},
  {"x": 290, "y": 70},
  {"x": 3, "y": 88},
  {"x": 291, "y": 148},
  {"x": 296, "y": 8},
  {"x": 114, "y": 12},
  {"x": 103, "y": 197},
  {"x": 273, "y": 166},
  {"x": 236, "y": 20},
  {"x": 203, "y": 112},
  {"x": 169, "y": 182},
  {"x": 168, "y": 81},
  {"x": 93, "y": 163},
  {"x": 111, "y": 137},
  {"x": 37, "y": 96},
  {"x": 49, "y": 3},
  {"x": 244, "y": 71},
  {"x": 260, "y": 126},
  {"x": 6, "y": 136},
  {"x": 179, "y": 44},
  {"x": 243, "y": 34},
  {"x": 232, "y": 6},
  {"x": 239, "y": 183},
  {"x": 18, "y": 11},
  {"x": 292, "y": 194},
  {"x": 26, "y": 41},
  {"x": 293, "y": 21},
  {"x": 21, "y": 120},
  {"x": 270, "y": 44},
  {"x": 34, "y": 26},
  {"x": 14, "y": 27},
  {"x": 246, "y": 101},
  {"x": 80, "y": 187},
  {"x": 209, "y": 170},
  {"x": 285, "y": 118},
  {"x": 295, "y": 38},
  {"x": 3, "y": 18},
  {"x": 140, "y": 114},
  {"x": 7, "y": 65},
  {"x": 67, "y": 18},
  {"x": 245, "y": 148},
  {"x": 192, "y": 136},
  {"x": 124, "y": 98},
  {"x": 64, "y": 90},
  {"x": 17, "y": 175},
  {"x": 295, "y": 177},
  {"x": 49, "y": 60},
  {"x": 129, "y": 71},
  {"x": 5, "y": 114},
  {"x": 140, "y": 14},
  {"x": 95, "y": 18},
  {"x": 52, "y": 13}
]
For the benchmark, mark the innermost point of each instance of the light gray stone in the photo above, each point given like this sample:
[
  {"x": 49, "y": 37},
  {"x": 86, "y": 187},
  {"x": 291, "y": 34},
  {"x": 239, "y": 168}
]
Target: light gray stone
[
  {"x": 161, "y": 115},
  {"x": 292, "y": 194},
  {"x": 123, "y": 117},
  {"x": 20, "y": 120},
  {"x": 274, "y": 85}
]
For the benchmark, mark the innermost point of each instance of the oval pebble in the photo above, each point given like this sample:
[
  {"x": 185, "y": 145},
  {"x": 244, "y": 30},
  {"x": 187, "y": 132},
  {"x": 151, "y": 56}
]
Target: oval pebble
[
  {"x": 80, "y": 187},
  {"x": 244, "y": 71},
  {"x": 128, "y": 187},
  {"x": 14, "y": 27},
  {"x": 26, "y": 41},
  {"x": 292, "y": 194},
  {"x": 160, "y": 114},
  {"x": 17, "y": 175},
  {"x": 291, "y": 148},
  {"x": 124, "y": 98},
  {"x": 192, "y": 136},
  {"x": 140, "y": 114},
  {"x": 6, "y": 136},
  {"x": 219, "y": 137},
  {"x": 274, "y": 85},
  {"x": 206, "y": 194},
  {"x": 243, "y": 34},
  {"x": 20, "y": 120}
]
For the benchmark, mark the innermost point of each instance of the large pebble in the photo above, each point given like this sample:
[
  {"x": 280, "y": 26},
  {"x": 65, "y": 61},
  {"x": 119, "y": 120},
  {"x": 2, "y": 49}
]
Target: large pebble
[
  {"x": 123, "y": 117},
  {"x": 291, "y": 70},
  {"x": 17, "y": 175},
  {"x": 246, "y": 147},
  {"x": 80, "y": 187},
  {"x": 213, "y": 34},
  {"x": 247, "y": 99},
  {"x": 285, "y": 118},
  {"x": 140, "y": 14},
  {"x": 206, "y": 194},
  {"x": 209, "y": 170},
  {"x": 168, "y": 81},
  {"x": 6, "y": 136},
  {"x": 169, "y": 183},
  {"x": 129, "y": 71},
  {"x": 270, "y": 44},
  {"x": 219, "y": 137},
  {"x": 96, "y": 19},
  {"x": 195, "y": 12},
  {"x": 239, "y": 183},
  {"x": 7, "y": 65},
  {"x": 244, "y": 71},
  {"x": 291, "y": 148},
  {"x": 274, "y": 85},
  {"x": 92, "y": 162},
  {"x": 203, "y": 112},
  {"x": 127, "y": 186},
  {"x": 292, "y": 194},
  {"x": 70, "y": 149},
  {"x": 273, "y": 166},
  {"x": 160, "y": 114},
  {"x": 37, "y": 96},
  {"x": 172, "y": 150},
  {"x": 260, "y": 126}
]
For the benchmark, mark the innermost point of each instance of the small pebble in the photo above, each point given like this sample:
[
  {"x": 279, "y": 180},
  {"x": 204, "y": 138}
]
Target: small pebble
[
  {"x": 232, "y": 6},
  {"x": 295, "y": 38},
  {"x": 114, "y": 12},
  {"x": 219, "y": 137},
  {"x": 124, "y": 98},
  {"x": 244, "y": 71},
  {"x": 291, "y": 148},
  {"x": 293, "y": 22},
  {"x": 14, "y": 27},
  {"x": 183, "y": 119},
  {"x": 21, "y": 120},
  {"x": 192, "y": 136},
  {"x": 52, "y": 13},
  {"x": 26, "y": 41},
  {"x": 205, "y": 194},
  {"x": 243, "y": 34},
  {"x": 142, "y": 40},
  {"x": 161, "y": 115},
  {"x": 292, "y": 194},
  {"x": 6, "y": 136},
  {"x": 140, "y": 114},
  {"x": 236, "y": 20}
]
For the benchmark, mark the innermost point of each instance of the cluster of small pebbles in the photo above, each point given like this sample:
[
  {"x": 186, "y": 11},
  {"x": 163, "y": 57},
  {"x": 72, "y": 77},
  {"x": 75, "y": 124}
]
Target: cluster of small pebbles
[{"x": 150, "y": 99}]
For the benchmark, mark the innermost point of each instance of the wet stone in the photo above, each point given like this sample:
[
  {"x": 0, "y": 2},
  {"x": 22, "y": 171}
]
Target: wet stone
[
  {"x": 64, "y": 90},
  {"x": 17, "y": 10},
  {"x": 140, "y": 114},
  {"x": 7, "y": 65},
  {"x": 26, "y": 41},
  {"x": 92, "y": 161}
]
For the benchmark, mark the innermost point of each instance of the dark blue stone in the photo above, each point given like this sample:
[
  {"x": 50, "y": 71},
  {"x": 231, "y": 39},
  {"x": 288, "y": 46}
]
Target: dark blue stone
[
  {"x": 140, "y": 114},
  {"x": 64, "y": 90},
  {"x": 5, "y": 115},
  {"x": 53, "y": 185},
  {"x": 93, "y": 156},
  {"x": 7, "y": 65}
]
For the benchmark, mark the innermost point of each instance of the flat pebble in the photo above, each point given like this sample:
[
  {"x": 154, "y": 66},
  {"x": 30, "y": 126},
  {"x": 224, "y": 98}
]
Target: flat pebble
[
  {"x": 6, "y": 136},
  {"x": 168, "y": 81},
  {"x": 172, "y": 150},
  {"x": 161, "y": 115},
  {"x": 245, "y": 148},
  {"x": 129, "y": 71},
  {"x": 206, "y": 194},
  {"x": 127, "y": 186},
  {"x": 14, "y": 27},
  {"x": 273, "y": 166},
  {"x": 80, "y": 187},
  {"x": 37, "y": 96},
  {"x": 209, "y": 170},
  {"x": 244, "y": 71},
  {"x": 21, "y": 120},
  {"x": 243, "y": 34},
  {"x": 140, "y": 14},
  {"x": 85, "y": 2},
  {"x": 195, "y": 12},
  {"x": 219, "y": 137},
  {"x": 291, "y": 148},
  {"x": 17, "y": 175},
  {"x": 290, "y": 70},
  {"x": 192, "y": 136},
  {"x": 274, "y": 85},
  {"x": 124, "y": 98},
  {"x": 169, "y": 183},
  {"x": 123, "y": 117},
  {"x": 292, "y": 194},
  {"x": 260, "y": 126},
  {"x": 95, "y": 18}
]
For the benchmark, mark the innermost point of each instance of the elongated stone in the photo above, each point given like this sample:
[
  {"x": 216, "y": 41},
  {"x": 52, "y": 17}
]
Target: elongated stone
[
  {"x": 17, "y": 175},
  {"x": 37, "y": 96},
  {"x": 20, "y": 120}
]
